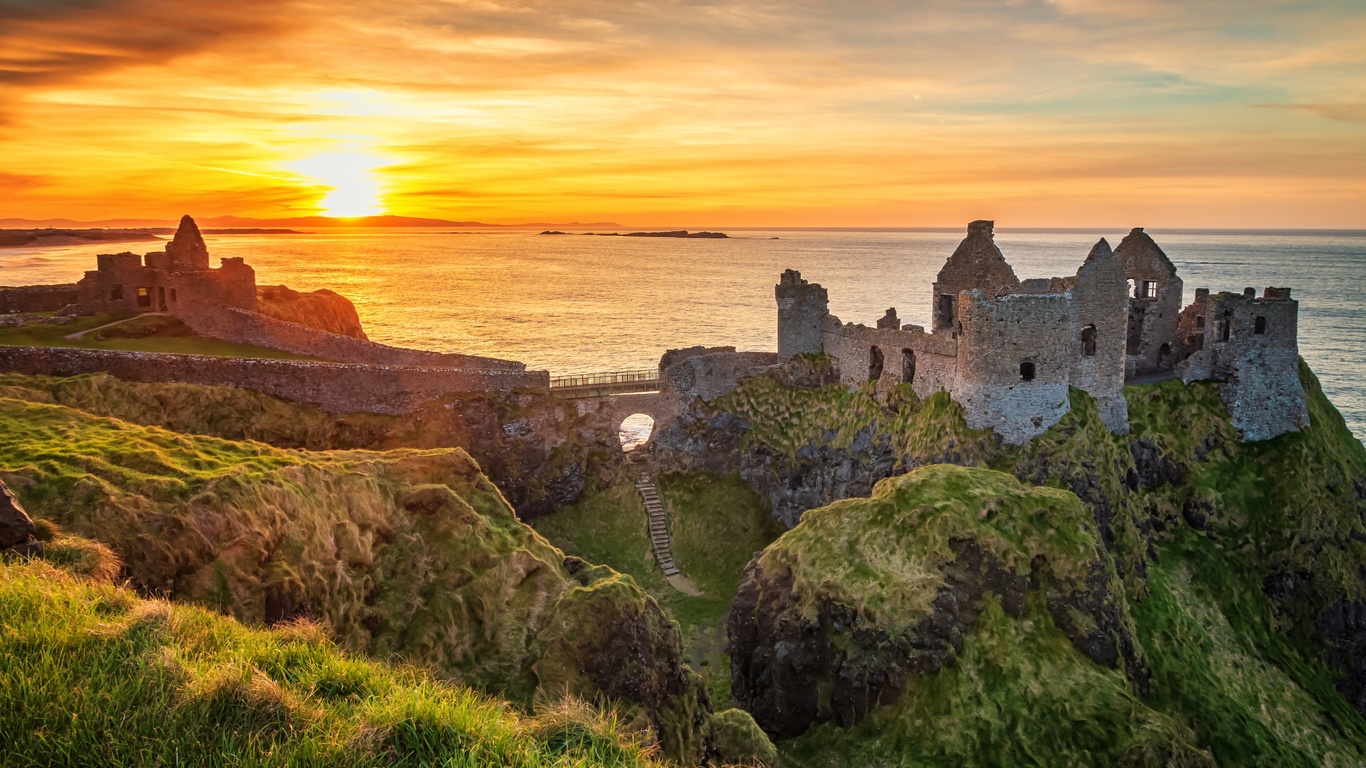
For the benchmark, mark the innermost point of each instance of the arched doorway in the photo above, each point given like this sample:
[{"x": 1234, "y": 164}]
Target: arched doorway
[{"x": 635, "y": 430}]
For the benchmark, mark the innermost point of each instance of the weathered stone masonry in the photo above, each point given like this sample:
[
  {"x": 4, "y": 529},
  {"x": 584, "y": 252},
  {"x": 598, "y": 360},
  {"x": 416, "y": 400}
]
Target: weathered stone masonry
[{"x": 1009, "y": 350}]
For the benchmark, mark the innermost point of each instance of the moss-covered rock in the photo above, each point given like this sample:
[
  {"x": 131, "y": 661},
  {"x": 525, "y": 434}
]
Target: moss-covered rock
[{"x": 837, "y": 615}]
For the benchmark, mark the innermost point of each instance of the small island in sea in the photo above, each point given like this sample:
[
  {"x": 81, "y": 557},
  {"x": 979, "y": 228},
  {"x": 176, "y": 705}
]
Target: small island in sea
[{"x": 679, "y": 233}]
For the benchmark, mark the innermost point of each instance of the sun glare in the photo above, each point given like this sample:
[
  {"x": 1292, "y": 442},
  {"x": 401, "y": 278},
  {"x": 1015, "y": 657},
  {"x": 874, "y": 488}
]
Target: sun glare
[{"x": 350, "y": 180}]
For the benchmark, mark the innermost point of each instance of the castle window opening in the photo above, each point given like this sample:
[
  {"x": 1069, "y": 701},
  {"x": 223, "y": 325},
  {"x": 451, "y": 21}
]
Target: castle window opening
[
  {"x": 144, "y": 297},
  {"x": 1259, "y": 326},
  {"x": 1027, "y": 370},
  {"x": 1164, "y": 356},
  {"x": 172, "y": 294},
  {"x": 947, "y": 310},
  {"x": 1225, "y": 329},
  {"x": 908, "y": 366},
  {"x": 116, "y": 293},
  {"x": 635, "y": 430},
  {"x": 874, "y": 363},
  {"x": 1147, "y": 289},
  {"x": 1199, "y": 321},
  {"x": 1088, "y": 341},
  {"x": 161, "y": 299}
]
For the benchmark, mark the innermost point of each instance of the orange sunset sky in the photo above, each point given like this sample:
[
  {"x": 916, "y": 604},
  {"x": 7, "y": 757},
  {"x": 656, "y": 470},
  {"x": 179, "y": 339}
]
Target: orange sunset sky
[{"x": 1034, "y": 113}]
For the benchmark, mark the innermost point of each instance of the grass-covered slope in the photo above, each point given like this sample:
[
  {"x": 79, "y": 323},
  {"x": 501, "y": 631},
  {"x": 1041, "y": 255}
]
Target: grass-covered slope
[
  {"x": 92, "y": 674},
  {"x": 411, "y": 554},
  {"x": 534, "y": 446},
  {"x": 138, "y": 334}
]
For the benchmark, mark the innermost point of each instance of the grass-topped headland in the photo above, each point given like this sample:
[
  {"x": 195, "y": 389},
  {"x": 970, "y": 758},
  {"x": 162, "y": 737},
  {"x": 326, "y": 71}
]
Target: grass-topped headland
[{"x": 407, "y": 554}]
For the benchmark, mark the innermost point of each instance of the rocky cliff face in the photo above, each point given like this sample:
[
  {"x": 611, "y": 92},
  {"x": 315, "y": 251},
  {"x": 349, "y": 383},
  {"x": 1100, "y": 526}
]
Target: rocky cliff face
[{"x": 321, "y": 310}]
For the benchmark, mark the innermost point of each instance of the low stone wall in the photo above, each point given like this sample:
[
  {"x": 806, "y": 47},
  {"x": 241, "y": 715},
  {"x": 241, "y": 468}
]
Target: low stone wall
[
  {"x": 38, "y": 298},
  {"x": 334, "y": 387},
  {"x": 242, "y": 327}
]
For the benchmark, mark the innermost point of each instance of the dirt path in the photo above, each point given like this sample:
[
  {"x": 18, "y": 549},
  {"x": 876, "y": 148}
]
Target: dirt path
[{"x": 79, "y": 335}]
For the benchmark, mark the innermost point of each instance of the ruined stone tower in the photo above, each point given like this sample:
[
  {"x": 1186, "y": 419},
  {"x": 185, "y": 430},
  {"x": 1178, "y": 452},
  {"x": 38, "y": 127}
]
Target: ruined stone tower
[{"x": 802, "y": 307}]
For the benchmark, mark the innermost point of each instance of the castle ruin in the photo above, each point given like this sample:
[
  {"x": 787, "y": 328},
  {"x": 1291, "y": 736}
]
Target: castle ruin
[
  {"x": 1009, "y": 350},
  {"x": 177, "y": 281}
]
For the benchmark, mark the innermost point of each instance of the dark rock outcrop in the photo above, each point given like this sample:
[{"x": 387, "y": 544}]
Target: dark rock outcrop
[{"x": 15, "y": 526}]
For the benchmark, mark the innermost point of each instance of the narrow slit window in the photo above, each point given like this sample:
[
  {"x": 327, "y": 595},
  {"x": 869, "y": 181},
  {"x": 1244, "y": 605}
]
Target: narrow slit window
[
  {"x": 874, "y": 364},
  {"x": 1088, "y": 341}
]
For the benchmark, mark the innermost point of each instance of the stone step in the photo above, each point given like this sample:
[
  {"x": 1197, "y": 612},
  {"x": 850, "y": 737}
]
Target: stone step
[{"x": 658, "y": 525}]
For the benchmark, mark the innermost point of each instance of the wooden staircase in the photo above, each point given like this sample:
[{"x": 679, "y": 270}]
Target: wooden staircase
[{"x": 659, "y": 525}]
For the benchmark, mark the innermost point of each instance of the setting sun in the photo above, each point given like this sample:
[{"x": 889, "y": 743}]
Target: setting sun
[{"x": 350, "y": 180}]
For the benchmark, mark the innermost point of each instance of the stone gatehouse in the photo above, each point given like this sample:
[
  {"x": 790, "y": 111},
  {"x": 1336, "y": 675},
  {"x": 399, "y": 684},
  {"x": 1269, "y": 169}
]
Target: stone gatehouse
[{"x": 1009, "y": 350}]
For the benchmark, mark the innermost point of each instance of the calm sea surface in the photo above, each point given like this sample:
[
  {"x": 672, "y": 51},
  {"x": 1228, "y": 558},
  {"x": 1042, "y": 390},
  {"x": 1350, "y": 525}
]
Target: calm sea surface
[{"x": 581, "y": 304}]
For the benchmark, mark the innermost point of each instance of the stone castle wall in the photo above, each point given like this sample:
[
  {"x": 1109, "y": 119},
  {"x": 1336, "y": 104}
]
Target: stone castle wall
[
  {"x": 1005, "y": 335},
  {"x": 1099, "y": 335},
  {"x": 1251, "y": 346},
  {"x": 927, "y": 361},
  {"x": 708, "y": 372},
  {"x": 38, "y": 298},
  {"x": 334, "y": 387},
  {"x": 243, "y": 327}
]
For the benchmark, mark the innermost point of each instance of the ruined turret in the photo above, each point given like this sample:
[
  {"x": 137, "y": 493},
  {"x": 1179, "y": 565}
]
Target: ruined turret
[
  {"x": 802, "y": 306},
  {"x": 187, "y": 252},
  {"x": 977, "y": 264}
]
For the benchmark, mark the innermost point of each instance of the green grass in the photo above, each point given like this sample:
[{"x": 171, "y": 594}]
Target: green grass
[
  {"x": 718, "y": 523},
  {"x": 406, "y": 554},
  {"x": 93, "y": 675},
  {"x": 161, "y": 335}
]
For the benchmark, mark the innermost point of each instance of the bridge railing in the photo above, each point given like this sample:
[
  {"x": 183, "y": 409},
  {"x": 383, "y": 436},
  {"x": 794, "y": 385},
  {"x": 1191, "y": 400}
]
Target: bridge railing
[{"x": 642, "y": 377}]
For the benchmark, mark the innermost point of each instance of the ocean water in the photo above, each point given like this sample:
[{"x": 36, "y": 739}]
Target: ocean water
[{"x": 574, "y": 304}]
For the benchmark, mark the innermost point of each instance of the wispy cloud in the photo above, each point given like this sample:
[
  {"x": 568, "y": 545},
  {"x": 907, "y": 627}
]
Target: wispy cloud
[{"x": 906, "y": 112}]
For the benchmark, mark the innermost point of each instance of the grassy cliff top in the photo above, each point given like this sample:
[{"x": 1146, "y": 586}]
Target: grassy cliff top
[
  {"x": 137, "y": 334},
  {"x": 92, "y": 674}
]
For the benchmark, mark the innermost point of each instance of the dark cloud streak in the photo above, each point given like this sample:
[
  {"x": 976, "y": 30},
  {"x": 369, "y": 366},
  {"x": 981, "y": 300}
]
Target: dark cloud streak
[{"x": 46, "y": 42}]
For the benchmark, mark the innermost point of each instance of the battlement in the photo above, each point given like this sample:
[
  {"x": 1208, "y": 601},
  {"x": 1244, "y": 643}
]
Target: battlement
[{"x": 1009, "y": 350}]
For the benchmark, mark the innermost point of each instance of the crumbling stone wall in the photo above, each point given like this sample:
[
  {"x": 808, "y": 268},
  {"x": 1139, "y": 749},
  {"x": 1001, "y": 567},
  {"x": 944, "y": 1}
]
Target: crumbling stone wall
[
  {"x": 1099, "y": 334},
  {"x": 334, "y": 387},
  {"x": 1015, "y": 378},
  {"x": 1251, "y": 345},
  {"x": 977, "y": 264},
  {"x": 1155, "y": 306},
  {"x": 708, "y": 372},
  {"x": 242, "y": 327},
  {"x": 38, "y": 298},
  {"x": 930, "y": 360},
  {"x": 801, "y": 308}
]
